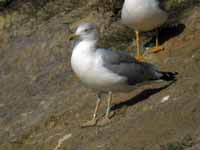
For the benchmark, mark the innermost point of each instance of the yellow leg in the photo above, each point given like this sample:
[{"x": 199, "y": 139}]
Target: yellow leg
[
  {"x": 93, "y": 122},
  {"x": 139, "y": 57},
  {"x": 157, "y": 48}
]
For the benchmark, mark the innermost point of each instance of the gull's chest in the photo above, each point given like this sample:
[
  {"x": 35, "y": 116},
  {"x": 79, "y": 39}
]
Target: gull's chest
[
  {"x": 86, "y": 66},
  {"x": 81, "y": 63},
  {"x": 143, "y": 15}
]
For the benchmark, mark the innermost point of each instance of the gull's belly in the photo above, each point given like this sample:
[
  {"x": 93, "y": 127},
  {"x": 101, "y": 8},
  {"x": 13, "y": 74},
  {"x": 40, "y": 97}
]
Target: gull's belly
[
  {"x": 143, "y": 15},
  {"x": 92, "y": 73},
  {"x": 101, "y": 79}
]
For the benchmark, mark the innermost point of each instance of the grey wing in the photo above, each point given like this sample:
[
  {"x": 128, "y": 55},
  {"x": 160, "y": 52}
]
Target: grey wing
[
  {"x": 124, "y": 65},
  {"x": 115, "y": 57}
]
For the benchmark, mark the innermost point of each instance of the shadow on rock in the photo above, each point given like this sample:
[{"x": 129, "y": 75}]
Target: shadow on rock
[
  {"x": 170, "y": 32},
  {"x": 166, "y": 33},
  {"x": 140, "y": 97}
]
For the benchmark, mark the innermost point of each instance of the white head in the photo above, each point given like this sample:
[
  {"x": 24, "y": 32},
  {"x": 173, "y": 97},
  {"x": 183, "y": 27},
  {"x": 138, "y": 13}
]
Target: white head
[{"x": 86, "y": 31}]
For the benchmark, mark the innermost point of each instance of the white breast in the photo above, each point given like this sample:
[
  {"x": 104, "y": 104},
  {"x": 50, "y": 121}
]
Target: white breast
[
  {"x": 143, "y": 15},
  {"x": 88, "y": 66}
]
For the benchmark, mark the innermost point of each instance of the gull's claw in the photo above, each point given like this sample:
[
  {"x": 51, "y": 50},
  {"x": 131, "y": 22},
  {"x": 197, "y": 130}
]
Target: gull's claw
[
  {"x": 89, "y": 123},
  {"x": 104, "y": 121},
  {"x": 156, "y": 49},
  {"x": 140, "y": 58}
]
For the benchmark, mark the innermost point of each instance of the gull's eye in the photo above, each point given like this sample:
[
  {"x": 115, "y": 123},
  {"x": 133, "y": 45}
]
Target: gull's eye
[{"x": 87, "y": 30}]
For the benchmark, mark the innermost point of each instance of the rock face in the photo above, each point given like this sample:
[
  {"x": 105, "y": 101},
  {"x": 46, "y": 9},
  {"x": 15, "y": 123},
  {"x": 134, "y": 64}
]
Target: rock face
[{"x": 42, "y": 103}]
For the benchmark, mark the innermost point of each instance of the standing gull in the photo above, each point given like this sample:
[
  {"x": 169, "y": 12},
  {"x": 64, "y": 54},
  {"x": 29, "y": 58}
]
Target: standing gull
[
  {"x": 144, "y": 15},
  {"x": 108, "y": 71}
]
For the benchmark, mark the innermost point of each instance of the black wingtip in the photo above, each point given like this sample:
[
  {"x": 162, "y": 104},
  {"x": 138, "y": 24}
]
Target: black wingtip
[{"x": 169, "y": 76}]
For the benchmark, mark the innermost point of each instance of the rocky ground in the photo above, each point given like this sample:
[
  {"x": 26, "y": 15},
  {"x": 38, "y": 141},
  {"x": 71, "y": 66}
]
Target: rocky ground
[{"x": 42, "y": 103}]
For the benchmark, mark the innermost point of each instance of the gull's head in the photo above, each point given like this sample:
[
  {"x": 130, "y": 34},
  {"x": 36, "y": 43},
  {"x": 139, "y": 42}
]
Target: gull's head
[{"x": 87, "y": 31}]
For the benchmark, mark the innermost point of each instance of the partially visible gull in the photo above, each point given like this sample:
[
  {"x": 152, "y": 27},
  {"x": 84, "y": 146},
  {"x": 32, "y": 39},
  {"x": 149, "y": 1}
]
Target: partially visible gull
[
  {"x": 144, "y": 15},
  {"x": 108, "y": 71}
]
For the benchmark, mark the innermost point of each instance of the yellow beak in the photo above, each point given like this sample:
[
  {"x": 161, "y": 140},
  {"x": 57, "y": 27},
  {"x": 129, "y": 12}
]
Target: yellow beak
[{"x": 73, "y": 37}]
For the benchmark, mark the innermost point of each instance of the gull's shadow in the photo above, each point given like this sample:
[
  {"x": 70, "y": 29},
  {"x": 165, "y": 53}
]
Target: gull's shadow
[
  {"x": 170, "y": 32},
  {"x": 165, "y": 34},
  {"x": 140, "y": 97}
]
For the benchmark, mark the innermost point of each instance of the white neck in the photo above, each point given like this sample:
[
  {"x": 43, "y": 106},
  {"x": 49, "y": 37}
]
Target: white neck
[{"x": 86, "y": 46}]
